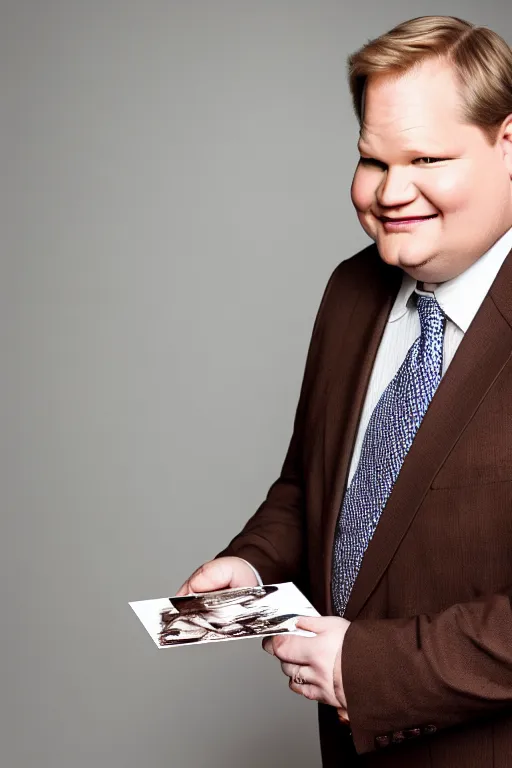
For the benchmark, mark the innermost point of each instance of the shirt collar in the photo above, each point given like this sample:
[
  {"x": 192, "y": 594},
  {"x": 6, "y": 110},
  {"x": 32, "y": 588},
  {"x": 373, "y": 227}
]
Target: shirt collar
[
  {"x": 460, "y": 298},
  {"x": 407, "y": 289}
]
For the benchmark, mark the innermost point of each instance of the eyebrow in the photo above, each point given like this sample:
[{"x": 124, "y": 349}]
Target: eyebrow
[{"x": 411, "y": 151}]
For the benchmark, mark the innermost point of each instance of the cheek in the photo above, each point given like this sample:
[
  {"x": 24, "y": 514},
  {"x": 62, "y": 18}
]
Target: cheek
[
  {"x": 454, "y": 190},
  {"x": 362, "y": 191}
]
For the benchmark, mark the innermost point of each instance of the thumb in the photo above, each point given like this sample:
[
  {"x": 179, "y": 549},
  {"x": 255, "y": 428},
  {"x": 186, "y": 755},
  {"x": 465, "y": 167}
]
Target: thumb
[
  {"x": 221, "y": 573},
  {"x": 216, "y": 574}
]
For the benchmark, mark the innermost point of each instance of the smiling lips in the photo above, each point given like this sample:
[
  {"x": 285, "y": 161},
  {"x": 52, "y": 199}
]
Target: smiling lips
[{"x": 391, "y": 224}]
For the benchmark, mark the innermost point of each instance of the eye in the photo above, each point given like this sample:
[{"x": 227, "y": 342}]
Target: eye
[
  {"x": 372, "y": 161},
  {"x": 429, "y": 160}
]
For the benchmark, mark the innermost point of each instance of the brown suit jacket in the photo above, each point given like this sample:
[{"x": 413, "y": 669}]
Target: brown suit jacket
[{"x": 427, "y": 660}]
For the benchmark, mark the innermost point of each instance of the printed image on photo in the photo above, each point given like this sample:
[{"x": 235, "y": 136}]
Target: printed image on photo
[
  {"x": 218, "y": 615},
  {"x": 226, "y": 614}
]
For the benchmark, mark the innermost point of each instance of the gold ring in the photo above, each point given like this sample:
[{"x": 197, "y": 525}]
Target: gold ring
[{"x": 299, "y": 680}]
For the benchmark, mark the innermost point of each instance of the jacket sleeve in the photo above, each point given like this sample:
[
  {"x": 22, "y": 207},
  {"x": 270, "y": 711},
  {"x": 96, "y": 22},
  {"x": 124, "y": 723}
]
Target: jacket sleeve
[
  {"x": 273, "y": 540},
  {"x": 408, "y": 678}
]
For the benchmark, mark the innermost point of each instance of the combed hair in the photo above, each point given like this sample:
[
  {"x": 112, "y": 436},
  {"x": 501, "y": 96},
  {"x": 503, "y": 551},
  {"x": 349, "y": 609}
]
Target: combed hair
[{"x": 480, "y": 58}]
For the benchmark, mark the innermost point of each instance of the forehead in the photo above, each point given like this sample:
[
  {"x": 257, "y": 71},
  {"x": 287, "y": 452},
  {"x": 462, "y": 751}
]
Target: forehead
[{"x": 424, "y": 101}]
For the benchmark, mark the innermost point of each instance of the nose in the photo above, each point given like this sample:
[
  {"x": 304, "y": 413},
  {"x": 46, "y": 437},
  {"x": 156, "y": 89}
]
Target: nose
[{"x": 395, "y": 189}]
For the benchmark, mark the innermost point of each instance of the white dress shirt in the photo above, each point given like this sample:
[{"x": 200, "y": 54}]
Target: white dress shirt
[{"x": 459, "y": 298}]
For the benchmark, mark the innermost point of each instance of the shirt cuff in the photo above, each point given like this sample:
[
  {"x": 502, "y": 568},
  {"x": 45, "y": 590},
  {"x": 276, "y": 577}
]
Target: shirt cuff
[{"x": 254, "y": 571}]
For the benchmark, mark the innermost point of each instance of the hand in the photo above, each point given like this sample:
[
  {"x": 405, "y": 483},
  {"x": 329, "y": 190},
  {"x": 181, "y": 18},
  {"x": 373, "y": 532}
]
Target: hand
[
  {"x": 223, "y": 573},
  {"x": 317, "y": 660}
]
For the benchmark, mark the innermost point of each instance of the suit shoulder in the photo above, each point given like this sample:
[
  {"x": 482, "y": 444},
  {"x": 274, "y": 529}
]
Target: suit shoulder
[
  {"x": 364, "y": 270},
  {"x": 363, "y": 264}
]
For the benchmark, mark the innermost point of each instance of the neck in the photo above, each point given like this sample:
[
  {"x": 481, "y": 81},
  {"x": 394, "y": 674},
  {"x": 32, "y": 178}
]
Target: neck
[{"x": 429, "y": 287}]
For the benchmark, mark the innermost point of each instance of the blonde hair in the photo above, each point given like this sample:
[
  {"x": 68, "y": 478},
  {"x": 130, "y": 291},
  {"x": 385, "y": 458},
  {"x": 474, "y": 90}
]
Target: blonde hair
[{"x": 480, "y": 58}]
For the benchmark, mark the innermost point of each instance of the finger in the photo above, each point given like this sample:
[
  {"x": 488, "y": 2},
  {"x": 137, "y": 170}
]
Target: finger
[
  {"x": 211, "y": 576},
  {"x": 290, "y": 670},
  {"x": 308, "y": 691},
  {"x": 314, "y": 624},
  {"x": 294, "y": 671},
  {"x": 186, "y": 588},
  {"x": 311, "y": 692},
  {"x": 292, "y": 648},
  {"x": 268, "y": 646},
  {"x": 343, "y": 716},
  {"x": 183, "y": 590}
]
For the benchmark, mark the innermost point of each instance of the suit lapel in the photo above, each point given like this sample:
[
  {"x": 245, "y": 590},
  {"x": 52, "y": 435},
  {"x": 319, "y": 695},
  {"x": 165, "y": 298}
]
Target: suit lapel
[{"x": 482, "y": 354}]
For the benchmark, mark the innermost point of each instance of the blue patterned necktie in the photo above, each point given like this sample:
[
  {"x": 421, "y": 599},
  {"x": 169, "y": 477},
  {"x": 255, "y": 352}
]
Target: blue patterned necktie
[{"x": 389, "y": 435}]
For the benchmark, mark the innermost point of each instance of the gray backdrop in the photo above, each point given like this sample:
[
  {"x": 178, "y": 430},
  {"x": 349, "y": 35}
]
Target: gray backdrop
[{"x": 175, "y": 194}]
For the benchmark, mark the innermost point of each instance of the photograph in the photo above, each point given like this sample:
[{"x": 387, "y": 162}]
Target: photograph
[{"x": 226, "y": 614}]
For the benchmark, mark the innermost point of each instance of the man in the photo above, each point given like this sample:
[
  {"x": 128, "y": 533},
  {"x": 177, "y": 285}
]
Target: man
[{"x": 393, "y": 509}]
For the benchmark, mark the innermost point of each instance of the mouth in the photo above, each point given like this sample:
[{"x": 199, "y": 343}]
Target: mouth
[{"x": 391, "y": 222}]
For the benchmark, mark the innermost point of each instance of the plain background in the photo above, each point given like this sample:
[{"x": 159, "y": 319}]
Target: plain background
[{"x": 174, "y": 197}]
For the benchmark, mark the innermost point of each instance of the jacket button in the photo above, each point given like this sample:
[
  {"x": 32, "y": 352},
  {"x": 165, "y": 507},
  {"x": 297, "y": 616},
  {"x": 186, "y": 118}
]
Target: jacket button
[
  {"x": 428, "y": 729},
  {"x": 382, "y": 741},
  {"x": 398, "y": 737},
  {"x": 411, "y": 733}
]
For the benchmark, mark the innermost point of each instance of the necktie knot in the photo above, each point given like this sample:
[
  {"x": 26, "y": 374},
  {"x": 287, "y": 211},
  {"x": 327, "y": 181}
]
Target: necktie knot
[{"x": 431, "y": 315}]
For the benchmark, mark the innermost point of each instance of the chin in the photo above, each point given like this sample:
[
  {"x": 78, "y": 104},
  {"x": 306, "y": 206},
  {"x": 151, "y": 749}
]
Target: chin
[
  {"x": 413, "y": 262},
  {"x": 428, "y": 271}
]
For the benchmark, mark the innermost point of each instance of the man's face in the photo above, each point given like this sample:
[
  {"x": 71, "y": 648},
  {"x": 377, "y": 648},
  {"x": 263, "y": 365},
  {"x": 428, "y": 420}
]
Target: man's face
[{"x": 430, "y": 190}]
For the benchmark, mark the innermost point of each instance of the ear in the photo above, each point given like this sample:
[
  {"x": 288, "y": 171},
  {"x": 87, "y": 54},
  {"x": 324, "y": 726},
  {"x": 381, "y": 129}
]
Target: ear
[{"x": 505, "y": 139}]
